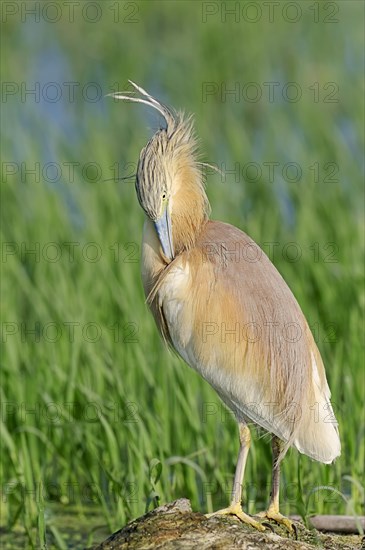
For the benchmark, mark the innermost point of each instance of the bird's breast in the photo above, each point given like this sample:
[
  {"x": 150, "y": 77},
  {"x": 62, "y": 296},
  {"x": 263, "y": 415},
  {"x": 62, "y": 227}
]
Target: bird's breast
[
  {"x": 170, "y": 287},
  {"x": 173, "y": 299}
]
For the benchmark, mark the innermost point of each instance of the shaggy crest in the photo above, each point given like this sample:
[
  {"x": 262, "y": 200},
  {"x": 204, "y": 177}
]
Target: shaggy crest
[{"x": 179, "y": 129}]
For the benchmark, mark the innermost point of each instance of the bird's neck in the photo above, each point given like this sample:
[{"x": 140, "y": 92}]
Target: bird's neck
[
  {"x": 189, "y": 209},
  {"x": 189, "y": 215}
]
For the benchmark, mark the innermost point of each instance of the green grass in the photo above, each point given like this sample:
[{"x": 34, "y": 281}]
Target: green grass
[{"x": 87, "y": 425}]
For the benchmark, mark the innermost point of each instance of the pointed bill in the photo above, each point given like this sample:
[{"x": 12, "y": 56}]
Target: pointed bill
[{"x": 164, "y": 232}]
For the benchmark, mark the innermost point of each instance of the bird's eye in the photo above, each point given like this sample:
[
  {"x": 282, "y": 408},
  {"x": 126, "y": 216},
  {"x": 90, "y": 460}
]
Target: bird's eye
[{"x": 163, "y": 196}]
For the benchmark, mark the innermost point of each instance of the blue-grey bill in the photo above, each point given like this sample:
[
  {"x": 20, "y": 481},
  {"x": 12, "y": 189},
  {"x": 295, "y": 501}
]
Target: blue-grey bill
[{"x": 163, "y": 228}]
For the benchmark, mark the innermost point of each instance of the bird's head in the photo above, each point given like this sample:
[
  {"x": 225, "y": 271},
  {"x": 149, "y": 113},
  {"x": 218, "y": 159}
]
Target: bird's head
[
  {"x": 168, "y": 181},
  {"x": 154, "y": 187}
]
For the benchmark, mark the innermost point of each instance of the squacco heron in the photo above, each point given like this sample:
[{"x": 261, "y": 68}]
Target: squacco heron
[{"x": 222, "y": 305}]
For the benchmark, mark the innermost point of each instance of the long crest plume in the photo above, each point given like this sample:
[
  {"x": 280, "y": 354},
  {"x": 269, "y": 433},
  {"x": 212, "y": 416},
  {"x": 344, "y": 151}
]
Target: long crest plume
[
  {"x": 147, "y": 99},
  {"x": 173, "y": 120}
]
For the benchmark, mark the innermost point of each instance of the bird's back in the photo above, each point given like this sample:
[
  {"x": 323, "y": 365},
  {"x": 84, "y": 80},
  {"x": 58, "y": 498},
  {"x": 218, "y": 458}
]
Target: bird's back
[{"x": 229, "y": 313}]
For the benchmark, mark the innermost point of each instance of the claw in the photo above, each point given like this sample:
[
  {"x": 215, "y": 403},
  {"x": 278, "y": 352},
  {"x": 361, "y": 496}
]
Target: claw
[
  {"x": 280, "y": 519},
  {"x": 268, "y": 525}
]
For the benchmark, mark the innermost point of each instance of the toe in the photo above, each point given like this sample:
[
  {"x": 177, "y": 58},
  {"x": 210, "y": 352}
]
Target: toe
[
  {"x": 236, "y": 510},
  {"x": 278, "y": 518}
]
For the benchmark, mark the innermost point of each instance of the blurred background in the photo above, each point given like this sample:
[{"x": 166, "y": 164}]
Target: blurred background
[{"x": 99, "y": 421}]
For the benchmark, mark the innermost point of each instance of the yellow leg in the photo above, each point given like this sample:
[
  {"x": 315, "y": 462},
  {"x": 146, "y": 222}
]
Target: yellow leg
[
  {"x": 235, "y": 507},
  {"x": 273, "y": 510}
]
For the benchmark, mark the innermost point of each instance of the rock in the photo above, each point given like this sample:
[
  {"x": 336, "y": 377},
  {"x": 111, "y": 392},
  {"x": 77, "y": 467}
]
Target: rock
[{"x": 175, "y": 526}]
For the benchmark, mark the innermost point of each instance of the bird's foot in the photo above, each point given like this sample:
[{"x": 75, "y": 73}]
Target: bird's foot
[
  {"x": 273, "y": 514},
  {"x": 235, "y": 509}
]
